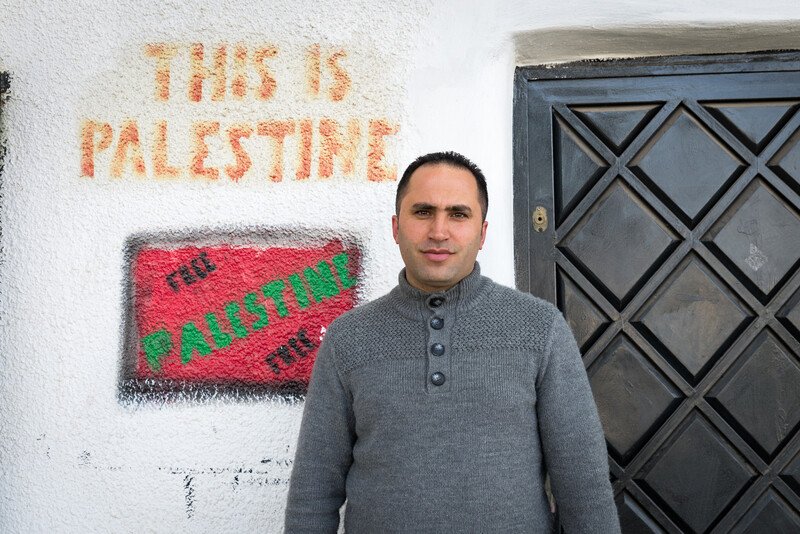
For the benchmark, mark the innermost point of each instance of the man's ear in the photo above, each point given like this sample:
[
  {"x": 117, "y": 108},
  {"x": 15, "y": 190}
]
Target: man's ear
[
  {"x": 483, "y": 233},
  {"x": 395, "y": 228}
]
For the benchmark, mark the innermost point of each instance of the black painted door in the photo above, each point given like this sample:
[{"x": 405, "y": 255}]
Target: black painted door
[{"x": 658, "y": 204}]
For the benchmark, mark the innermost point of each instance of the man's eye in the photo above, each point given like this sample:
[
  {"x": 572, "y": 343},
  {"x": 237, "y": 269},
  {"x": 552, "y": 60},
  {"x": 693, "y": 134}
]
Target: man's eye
[
  {"x": 422, "y": 212},
  {"x": 459, "y": 215}
]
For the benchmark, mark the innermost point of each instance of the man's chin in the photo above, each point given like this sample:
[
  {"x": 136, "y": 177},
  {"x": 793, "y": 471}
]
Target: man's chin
[{"x": 438, "y": 279}]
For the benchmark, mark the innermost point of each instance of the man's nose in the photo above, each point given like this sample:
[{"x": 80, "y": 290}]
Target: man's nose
[{"x": 439, "y": 229}]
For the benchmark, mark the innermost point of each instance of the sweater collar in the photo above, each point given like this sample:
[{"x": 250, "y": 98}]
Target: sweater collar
[{"x": 461, "y": 296}]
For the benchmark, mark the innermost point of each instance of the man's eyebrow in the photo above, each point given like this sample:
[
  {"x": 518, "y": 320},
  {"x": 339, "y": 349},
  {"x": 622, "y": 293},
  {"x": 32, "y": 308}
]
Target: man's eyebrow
[
  {"x": 460, "y": 207},
  {"x": 456, "y": 207}
]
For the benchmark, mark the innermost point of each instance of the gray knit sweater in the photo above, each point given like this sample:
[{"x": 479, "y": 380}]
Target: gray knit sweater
[{"x": 467, "y": 455}]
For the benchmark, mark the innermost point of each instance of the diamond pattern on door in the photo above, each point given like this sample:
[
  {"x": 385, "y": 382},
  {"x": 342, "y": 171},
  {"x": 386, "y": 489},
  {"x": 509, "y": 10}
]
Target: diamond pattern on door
[
  {"x": 790, "y": 315},
  {"x": 786, "y": 162},
  {"x": 631, "y": 513},
  {"x": 768, "y": 376},
  {"x": 629, "y": 420},
  {"x": 616, "y": 126},
  {"x": 756, "y": 123},
  {"x": 771, "y": 514},
  {"x": 758, "y": 238},
  {"x": 620, "y": 225},
  {"x": 677, "y": 264},
  {"x": 576, "y": 166},
  {"x": 791, "y": 475},
  {"x": 691, "y": 182},
  {"x": 585, "y": 319},
  {"x": 697, "y": 475},
  {"x": 692, "y": 318}
]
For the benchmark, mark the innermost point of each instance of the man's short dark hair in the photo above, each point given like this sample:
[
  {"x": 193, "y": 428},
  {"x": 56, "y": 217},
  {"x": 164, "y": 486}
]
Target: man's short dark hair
[{"x": 454, "y": 159}]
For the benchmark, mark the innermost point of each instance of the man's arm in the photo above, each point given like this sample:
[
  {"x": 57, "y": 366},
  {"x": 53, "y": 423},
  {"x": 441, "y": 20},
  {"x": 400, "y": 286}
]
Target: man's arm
[
  {"x": 572, "y": 438},
  {"x": 324, "y": 450}
]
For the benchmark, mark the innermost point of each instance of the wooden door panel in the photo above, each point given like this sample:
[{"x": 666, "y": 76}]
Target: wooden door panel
[
  {"x": 758, "y": 238},
  {"x": 673, "y": 249},
  {"x": 576, "y": 167},
  {"x": 585, "y": 318},
  {"x": 692, "y": 318},
  {"x": 618, "y": 243},
  {"x": 766, "y": 371},
  {"x": 697, "y": 475},
  {"x": 649, "y": 398},
  {"x": 616, "y": 125},
  {"x": 689, "y": 184}
]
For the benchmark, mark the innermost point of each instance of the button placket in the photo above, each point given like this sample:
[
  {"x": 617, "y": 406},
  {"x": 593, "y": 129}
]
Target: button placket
[{"x": 438, "y": 321}]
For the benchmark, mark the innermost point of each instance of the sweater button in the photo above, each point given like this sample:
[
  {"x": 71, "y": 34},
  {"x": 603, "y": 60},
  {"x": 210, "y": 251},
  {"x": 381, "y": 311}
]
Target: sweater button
[
  {"x": 437, "y": 323},
  {"x": 437, "y": 379},
  {"x": 437, "y": 349},
  {"x": 435, "y": 302}
]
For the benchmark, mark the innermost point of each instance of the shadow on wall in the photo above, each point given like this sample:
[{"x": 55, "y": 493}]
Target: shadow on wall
[
  {"x": 559, "y": 45},
  {"x": 233, "y": 314}
]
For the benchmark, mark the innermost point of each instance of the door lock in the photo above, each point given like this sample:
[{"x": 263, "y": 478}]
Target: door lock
[{"x": 539, "y": 219}]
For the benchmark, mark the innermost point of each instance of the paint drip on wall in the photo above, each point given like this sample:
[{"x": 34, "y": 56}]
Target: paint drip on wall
[{"x": 240, "y": 315}]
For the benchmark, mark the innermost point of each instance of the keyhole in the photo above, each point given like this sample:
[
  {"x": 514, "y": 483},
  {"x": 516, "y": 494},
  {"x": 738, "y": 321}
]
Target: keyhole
[{"x": 539, "y": 219}]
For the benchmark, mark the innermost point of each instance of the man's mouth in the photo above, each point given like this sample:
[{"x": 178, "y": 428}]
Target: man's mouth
[{"x": 437, "y": 254}]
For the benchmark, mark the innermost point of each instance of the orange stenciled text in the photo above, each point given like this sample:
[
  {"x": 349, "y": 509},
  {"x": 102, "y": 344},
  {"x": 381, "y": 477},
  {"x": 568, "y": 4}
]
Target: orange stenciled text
[
  {"x": 267, "y": 147},
  {"x": 222, "y": 71},
  {"x": 376, "y": 170},
  {"x": 144, "y": 149}
]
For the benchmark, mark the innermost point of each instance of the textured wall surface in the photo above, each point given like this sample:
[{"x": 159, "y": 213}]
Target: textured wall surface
[{"x": 239, "y": 144}]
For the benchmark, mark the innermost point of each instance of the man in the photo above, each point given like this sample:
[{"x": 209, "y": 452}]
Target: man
[{"x": 440, "y": 406}]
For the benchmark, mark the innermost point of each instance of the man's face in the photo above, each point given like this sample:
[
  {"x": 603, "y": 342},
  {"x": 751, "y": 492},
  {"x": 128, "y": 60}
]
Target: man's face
[{"x": 439, "y": 227}]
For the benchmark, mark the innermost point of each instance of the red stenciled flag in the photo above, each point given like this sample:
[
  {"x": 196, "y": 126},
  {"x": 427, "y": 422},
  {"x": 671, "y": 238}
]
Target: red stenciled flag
[{"x": 238, "y": 315}]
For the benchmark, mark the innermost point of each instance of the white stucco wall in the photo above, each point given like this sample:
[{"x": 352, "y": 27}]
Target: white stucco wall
[{"x": 75, "y": 459}]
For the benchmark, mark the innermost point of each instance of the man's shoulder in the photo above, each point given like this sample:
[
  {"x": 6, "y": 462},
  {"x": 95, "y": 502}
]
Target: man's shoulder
[
  {"x": 371, "y": 331},
  {"x": 508, "y": 318},
  {"x": 362, "y": 316},
  {"x": 514, "y": 300}
]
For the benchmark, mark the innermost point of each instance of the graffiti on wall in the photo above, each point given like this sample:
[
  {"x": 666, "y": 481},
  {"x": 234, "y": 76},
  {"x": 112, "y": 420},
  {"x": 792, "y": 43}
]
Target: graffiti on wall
[
  {"x": 4, "y": 85},
  {"x": 241, "y": 315},
  {"x": 273, "y": 148}
]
